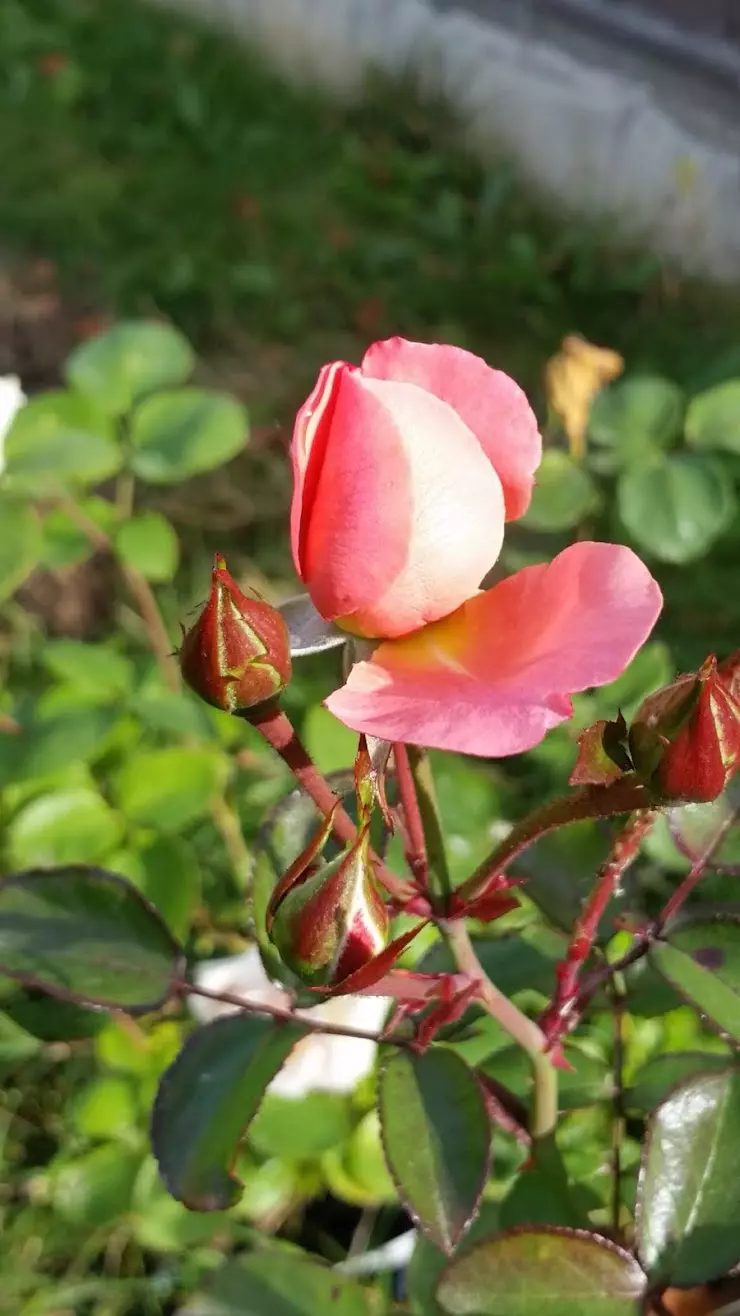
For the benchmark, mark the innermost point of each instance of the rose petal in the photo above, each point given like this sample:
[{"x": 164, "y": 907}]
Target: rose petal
[
  {"x": 491, "y": 404},
  {"x": 398, "y": 514},
  {"x": 494, "y": 677}
]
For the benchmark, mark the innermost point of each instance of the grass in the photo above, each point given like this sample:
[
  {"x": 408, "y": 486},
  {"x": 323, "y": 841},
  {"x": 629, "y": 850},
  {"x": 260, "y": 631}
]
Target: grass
[{"x": 159, "y": 168}]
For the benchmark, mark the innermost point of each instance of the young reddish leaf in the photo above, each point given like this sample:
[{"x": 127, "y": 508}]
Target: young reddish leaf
[
  {"x": 688, "y": 1202},
  {"x": 602, "y": 756},
  {"x": 206, "y": 1100},
  {"x": 700, "y": 957},
  {"x": 436, "y": 1136},
  {"x": 87, "y": 935},
  {"x": 556, "y": 1272}
]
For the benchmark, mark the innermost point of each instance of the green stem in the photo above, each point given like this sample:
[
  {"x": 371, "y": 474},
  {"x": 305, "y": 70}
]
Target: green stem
[
  {"x": 589, "y": 802},
  {"x": 438, "y": 870},
  {"x": 522, "y": 1030}
]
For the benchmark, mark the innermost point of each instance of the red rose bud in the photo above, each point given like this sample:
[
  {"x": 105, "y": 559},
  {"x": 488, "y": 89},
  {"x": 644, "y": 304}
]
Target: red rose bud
[
  {"x": 334, "y": 922},
  {"x": 237, "y": 654},
  {"x": 686, "y": 739}
]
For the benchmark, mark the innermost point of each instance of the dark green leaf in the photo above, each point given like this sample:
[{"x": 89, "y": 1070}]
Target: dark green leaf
[
  {"x": 170, "y": 788},
  {"x": 564, "y": 494},
  {"x": 148, "y": 544},
  {"x": 676, "y": 509},
  {"x": 713, "y": 417},
  {"x": 185, "y": 431},
  {"x": 515, "y": 963},
  {"x": 542, "y": 1195},
  {"x": 118, "y": 367},
  {"x": 655, "y": 1079},
  {"x": 689, "y": 1194},
  {"x": 64, "y": 827},
  {"x": 86, "y": 935},
  {"x": 59, "y": 440},
  {"x": 555, "y": 1272},
  {"x": 274, "y": 1282},
  {"x": 21, "y": 542},
  {"x": 700, "y": 957},
  {"x": 206, "y": 1100},
  {"x": 637, "y": 415},
  {"x": 436, "y": 1136}
]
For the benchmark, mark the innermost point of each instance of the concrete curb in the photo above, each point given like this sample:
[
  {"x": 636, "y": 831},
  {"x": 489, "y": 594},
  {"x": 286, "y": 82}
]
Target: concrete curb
[{"x": 599, "y": 140}]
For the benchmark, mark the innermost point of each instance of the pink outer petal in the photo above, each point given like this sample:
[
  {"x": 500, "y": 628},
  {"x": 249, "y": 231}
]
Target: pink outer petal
[
  {"x": 398, "y": 514},
  {"x": 492, "y": 405},
  {"x": 493, "y": 678}
]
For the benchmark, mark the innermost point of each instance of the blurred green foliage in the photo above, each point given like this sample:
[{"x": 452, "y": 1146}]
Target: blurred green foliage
[{"x": 161, "y": 171}]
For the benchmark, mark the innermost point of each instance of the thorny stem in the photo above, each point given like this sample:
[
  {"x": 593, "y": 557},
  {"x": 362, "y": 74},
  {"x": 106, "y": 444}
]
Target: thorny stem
[
  {"x": 624, "y": 851},
  {"x": 522, "y": 1030},
  {"x": 276, "y": 728},
  {"x": 438, "y": 873},
  {"x": 141, "y": 591},
  {"x": 415, "y": 849},
  {"x": 284, "y": 1014},
  {"x": 589, "y": 802},
  {"x": 644, "y": 939}
]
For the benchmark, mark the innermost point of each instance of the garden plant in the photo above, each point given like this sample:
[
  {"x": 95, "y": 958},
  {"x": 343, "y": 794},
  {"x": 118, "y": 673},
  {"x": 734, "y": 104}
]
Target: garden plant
[{"x": 271, "y": 872}]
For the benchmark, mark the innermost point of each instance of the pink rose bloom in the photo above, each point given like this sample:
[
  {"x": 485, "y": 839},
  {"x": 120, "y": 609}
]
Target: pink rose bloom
[{"x": 406, "y": 470}]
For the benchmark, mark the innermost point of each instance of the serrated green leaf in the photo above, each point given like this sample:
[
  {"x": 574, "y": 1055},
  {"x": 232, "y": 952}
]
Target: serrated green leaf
[
  {"x": 556, "y": 1272},
  {"x": 184, "y": 432},
  {"x": 563, "y": 495},
  {"x": 21, "y": 542},
  {"x": 57, "y": 441},
  {"x": 86, "y": 935},
  {"x": 118, "y": 367},
  {"x": 436, "y": 1136},
  {"x": 689, "y": 1193},
  {"x": 148, "y": 544},
  {"x": 701, "y": 958},
  {"x": 206, "y": 1100},
  {"x": 170, "y": 788},
  {"x": 713, "y": 417},
  {"x": 677, "y": 508}
]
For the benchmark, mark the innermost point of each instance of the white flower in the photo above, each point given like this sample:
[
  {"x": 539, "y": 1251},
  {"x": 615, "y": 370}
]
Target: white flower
[
  {"x": 12, "y": 398},
  {"x": 322, "y": 1062}
]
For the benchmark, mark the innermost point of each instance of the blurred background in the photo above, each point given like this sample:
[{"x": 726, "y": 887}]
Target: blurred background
[{"x": 285, "y": 182}]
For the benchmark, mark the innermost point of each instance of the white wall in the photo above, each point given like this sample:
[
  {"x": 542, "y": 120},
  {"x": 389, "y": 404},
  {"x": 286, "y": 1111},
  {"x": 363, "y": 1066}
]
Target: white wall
[{"x": 602, "y": 140}]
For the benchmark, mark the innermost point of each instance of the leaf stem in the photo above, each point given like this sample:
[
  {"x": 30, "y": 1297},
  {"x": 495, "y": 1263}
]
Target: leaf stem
[
  {"x": 285, "y": 1014},
  {"x": 276, "y": 728},
  {"x": 590, "y": 802},
  {"x": 527, "y": 1034},
  {"x": 438, "y": 872},
  {"x": 415, "y": 849}
]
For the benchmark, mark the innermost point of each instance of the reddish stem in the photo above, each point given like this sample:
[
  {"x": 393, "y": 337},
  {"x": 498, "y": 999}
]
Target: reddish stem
[
  {"x": 415, "y": 849},
  {"x": 622, "y": 796},
  {"x": 276, "y": 728},
  {"x": 623, "y": 853},
  {"x": 695, "y": 875}
]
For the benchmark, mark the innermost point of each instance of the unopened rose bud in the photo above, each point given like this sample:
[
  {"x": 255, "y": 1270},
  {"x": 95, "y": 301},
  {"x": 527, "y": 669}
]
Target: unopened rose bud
[
  {"x": 334, "y": 922},
  {"x": 685, "y": 740},
  {"x": 237, "y": 655}
]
